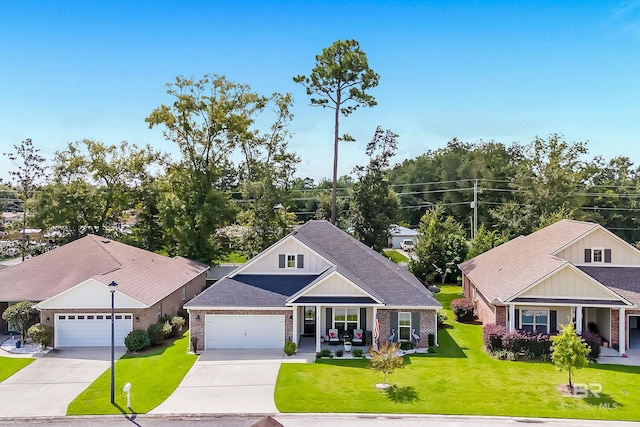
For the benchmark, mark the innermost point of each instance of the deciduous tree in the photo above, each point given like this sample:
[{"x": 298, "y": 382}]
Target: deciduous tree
[{"x": 570, "y": 352}]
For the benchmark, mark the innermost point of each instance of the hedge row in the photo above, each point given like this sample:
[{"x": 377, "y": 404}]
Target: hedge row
[{"x": 168, "y": 326}]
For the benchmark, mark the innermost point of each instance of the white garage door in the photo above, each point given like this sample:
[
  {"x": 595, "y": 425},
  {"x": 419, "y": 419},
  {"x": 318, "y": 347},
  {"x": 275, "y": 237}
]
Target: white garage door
[
  {"x": 244, "y": 331},
  {"x": 91, "y": 329}
]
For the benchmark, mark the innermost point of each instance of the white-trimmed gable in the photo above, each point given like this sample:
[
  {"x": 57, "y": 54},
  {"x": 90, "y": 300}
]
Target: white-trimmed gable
[
  {"x": 569, "y": 282},
  {"x": 269, "y": 261},
  {"x": 90, "y": 294},
  {"x": 333, "y": 284},
  {"x": 622, "y": 254}
]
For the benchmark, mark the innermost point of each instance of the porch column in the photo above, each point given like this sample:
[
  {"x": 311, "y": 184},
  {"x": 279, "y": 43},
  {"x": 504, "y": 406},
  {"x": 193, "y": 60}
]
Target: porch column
[
  {"x": 318, "y": 327},
  {"x": 373, "y": 325},
  {"x": 579, "y": 319},
  {"x": 512, "y": 318},
  {"x": 622, "y": 334},
  {"x": 296, "y": 332}
]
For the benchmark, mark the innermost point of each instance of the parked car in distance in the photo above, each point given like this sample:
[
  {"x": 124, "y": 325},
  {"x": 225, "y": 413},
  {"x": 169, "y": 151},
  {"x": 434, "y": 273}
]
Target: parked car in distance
[{"x": 407, "y": 245}]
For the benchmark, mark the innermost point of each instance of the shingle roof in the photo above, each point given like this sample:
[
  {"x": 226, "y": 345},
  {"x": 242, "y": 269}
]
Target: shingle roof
[
  {"x": 143, "y": 275},
  {"x": 368, "y": 269},
  {"x": 625, "y": 281},
  {"x": 509, "y": 268},
  {"x": 251, "y": 290}
]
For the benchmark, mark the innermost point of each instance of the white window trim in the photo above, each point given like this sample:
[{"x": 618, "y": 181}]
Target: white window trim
[
  {"x": 286, "y": 261},
  {"x": 534, "y": 324},
  {"x": 402, "y": 313},
  {"x": 593, "y": 253},
  {"x": 344, "y": 310}
]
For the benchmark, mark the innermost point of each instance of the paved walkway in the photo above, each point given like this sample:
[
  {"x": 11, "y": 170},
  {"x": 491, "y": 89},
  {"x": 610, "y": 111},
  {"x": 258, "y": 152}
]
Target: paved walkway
[
  {"x": 48, "y": 385},
  {"x": 227, "y": 382}
]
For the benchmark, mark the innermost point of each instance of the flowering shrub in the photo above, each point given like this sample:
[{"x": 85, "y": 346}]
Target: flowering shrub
[
  {"x": 492, "y": 337},
  {"x": 463, "y": 309}
]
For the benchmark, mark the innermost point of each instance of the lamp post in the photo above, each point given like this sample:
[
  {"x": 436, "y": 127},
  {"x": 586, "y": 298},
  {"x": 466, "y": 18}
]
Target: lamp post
[{"x": 112, "y": 289}]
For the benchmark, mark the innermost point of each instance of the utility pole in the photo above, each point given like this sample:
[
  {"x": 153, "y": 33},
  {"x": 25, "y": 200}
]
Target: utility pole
[{"x": 475, "y": 207}]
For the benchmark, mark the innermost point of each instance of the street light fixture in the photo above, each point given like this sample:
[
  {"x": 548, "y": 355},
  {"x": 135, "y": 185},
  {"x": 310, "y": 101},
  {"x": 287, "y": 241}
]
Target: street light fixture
[{"x": 112, "y": 289}]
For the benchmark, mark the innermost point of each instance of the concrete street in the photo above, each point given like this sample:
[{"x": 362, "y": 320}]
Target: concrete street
[{"x": 48, "y": 385}]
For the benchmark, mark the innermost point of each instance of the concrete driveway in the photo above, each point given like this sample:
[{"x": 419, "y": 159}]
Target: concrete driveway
[
  {"x": 229, "y": 382},
  {"x": 48, "y": 385}
]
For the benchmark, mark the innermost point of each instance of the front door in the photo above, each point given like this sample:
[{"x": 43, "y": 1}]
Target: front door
[{"x": 309, "y": 321}]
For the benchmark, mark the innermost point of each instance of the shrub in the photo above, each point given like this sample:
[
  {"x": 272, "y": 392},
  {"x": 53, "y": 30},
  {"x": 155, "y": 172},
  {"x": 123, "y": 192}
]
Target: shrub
[
  {"x": 137, "y": 340},
  {"x": 156, "y": 333},
  {"x": 184, "y": 314},
  {"x": 41, "y": 334},
  {"x": 339, "y": 353},
  {"x": 492, "y": 336},
  {"x": 325, "y": 353},
  {"x": 290, "y": 348},
  {"x": 513, "y": 342},
  {"x": 463, "y": 309},
  {"x": 178, "y": 322},
  {"x": 407, "y": 345},
  {"x": 442, "y": 317},
  {"x": 167, "y": 329},
  {"x": 357, "y": 352},
  {"x": 593, "y": 341}
]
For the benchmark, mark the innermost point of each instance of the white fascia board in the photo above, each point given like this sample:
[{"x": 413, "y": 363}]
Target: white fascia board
[
  {"x": 121, "y": 300},
  {"x": 584, "y": 275},
  {"x": 560, "y": 304},
  {"x": 313, "y": 285},
  {"x": 331, "y": 304}
]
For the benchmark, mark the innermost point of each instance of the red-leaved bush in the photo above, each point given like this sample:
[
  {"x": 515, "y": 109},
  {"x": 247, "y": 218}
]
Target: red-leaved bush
[{"x": 463, "y": 309}]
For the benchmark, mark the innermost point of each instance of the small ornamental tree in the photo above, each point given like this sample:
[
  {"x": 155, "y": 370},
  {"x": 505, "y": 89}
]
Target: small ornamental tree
[
  {"x": 41, "y": 334},
  {"x": 22, "y": 316},
  {"x": 386, "y": 360},
  {"x": 569, "y": 351}
]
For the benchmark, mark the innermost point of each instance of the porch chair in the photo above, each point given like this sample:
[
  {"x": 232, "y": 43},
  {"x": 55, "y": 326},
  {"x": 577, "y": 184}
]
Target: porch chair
[
  {"x": 334, "y": 338},
  {"x": 358, "y": 337}
]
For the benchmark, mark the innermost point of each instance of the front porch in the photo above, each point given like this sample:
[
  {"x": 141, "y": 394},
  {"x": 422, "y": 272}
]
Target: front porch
[{"x": 308, "y": 345}]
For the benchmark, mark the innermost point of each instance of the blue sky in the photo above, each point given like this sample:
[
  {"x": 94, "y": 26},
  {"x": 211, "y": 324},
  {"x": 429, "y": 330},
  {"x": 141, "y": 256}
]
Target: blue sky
[{"x": 505, "y": 71}]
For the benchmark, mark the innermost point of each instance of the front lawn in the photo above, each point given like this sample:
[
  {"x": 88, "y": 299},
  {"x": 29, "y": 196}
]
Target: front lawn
[
  {"x": 11, "y": 365},
  {"x": 153, "y": 376},
  {"x": 460, "y": 378}
]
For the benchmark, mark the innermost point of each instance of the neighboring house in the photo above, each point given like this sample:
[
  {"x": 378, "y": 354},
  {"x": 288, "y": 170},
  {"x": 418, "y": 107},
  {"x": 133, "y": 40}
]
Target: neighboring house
[
  {"x": 217, "y": 272},
  {"x": 398, "y": 233},
  {"x": 570, "y": 271},
  {"x": 315, "y": 279},
  {"x": 69, "y": 284}
]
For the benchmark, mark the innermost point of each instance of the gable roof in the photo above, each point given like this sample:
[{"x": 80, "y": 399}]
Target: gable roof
[
  {"x": 625, "y": 281},
  {"x": 374, "y": 273},
  {"x": 143, "y": 275},
  {"x": 509, "y": 268}
]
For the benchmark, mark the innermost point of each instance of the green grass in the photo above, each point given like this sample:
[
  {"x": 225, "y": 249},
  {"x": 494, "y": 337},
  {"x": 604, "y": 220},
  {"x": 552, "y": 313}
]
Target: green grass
[
  {"x": 153, "y": 377},
  {"x": 460, "y": 378},
  {"x": 234, "y": 258},
  {"x": 11, "y": 365},
  {"x": 395, "y": 256}
]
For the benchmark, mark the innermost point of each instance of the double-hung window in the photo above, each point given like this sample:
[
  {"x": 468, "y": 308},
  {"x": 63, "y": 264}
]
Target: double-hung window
[
  {"x": 404, "y": 326},
  {"x": 345, "y": 319},
  {"x": 598, "y": 255},
  {"x": 291, "y": 261},
  {"x": 535, "y": 321}
]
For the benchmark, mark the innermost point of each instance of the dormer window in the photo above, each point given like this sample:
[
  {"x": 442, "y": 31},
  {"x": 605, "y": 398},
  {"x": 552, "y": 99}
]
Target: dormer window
[
  {"x": 597, "y": 255},
  {"x": 290, "y": 261}
]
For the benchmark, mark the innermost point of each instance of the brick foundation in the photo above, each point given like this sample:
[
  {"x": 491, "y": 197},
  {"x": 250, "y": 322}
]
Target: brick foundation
[{"x": 427, "y": 325}]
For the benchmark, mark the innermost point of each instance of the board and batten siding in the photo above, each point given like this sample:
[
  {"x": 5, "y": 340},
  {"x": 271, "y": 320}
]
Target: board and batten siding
[
  {"x": 268, "y": 263},
  {"x": 621, "y": 253},
  {"x": 568, "y": 283},
  {"x": 335, "y": 285}
]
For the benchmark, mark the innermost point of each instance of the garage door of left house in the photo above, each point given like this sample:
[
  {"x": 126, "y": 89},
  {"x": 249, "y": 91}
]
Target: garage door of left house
[{"x": 91, "y": 329}]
